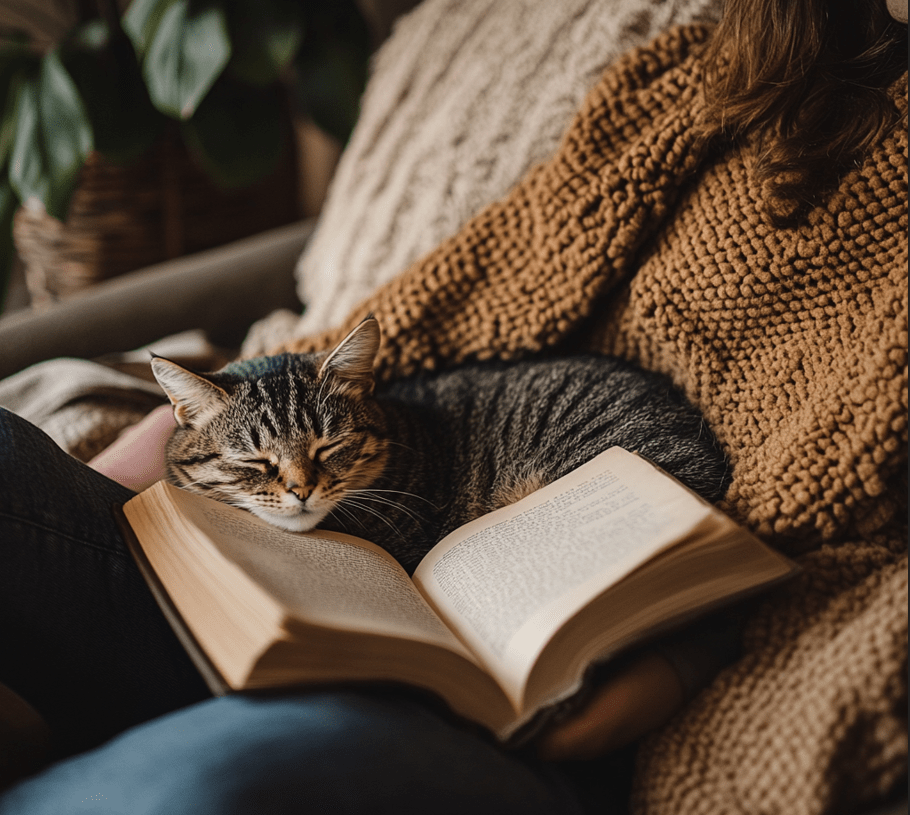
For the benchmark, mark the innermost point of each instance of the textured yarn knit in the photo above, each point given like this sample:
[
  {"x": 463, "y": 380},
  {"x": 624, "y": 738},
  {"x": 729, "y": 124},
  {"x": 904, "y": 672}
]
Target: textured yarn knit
[{"x": 793, "y": 343}]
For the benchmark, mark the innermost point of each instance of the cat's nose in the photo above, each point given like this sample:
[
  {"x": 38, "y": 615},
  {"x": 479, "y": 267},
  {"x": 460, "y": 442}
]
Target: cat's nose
[{"x": 301, "y": 491}]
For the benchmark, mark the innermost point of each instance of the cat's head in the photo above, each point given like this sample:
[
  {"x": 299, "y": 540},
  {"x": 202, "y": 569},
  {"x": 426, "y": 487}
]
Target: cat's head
[{"x": 285, "y": 437}]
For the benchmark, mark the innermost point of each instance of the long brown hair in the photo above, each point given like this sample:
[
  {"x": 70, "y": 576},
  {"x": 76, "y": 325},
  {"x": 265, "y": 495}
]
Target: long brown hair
[{"x": 808, "y": 80}]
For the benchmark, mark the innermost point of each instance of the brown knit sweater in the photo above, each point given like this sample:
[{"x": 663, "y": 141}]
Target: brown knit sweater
[{"x": 793, "y": 342}]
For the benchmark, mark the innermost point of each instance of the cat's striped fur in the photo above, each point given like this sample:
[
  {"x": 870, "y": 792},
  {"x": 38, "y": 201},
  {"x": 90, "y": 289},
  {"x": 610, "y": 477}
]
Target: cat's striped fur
[{"x": 302, "y": 440}]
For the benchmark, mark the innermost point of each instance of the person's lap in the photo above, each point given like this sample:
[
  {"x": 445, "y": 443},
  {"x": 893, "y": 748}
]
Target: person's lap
[
  {"x": 81, "y": 636},
  {"x": 338, "y": 751},
  {"x": 85, "y": 644},
  {"x": 327, "y": 751}
]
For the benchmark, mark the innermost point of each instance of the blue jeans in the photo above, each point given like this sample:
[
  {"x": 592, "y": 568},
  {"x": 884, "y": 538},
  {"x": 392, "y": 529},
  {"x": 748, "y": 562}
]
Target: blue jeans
[{"x": 83, "y": 641}]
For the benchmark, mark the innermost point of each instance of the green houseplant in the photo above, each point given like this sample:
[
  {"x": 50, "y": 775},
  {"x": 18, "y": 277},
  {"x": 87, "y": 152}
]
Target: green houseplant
[{"x": 219, "y": 75}]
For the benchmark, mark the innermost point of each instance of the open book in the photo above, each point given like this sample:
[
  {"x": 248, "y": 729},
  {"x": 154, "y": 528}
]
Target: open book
[{"x": 502, "y": 617}]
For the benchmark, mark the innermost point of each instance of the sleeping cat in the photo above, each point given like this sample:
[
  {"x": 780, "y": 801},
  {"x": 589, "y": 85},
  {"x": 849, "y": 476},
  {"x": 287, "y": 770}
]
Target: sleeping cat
[{"x": 303, "y": 440}]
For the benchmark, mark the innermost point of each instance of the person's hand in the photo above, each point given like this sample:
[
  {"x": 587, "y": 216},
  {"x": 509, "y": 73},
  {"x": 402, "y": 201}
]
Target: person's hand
[
  {"x": 136, "y": 458},
  {"x": 637, "y": 700}
]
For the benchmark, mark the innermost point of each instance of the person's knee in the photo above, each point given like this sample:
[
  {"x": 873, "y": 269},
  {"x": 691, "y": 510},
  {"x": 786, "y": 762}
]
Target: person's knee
[
  {"x": 338, "y": 752},
  {"x": 25, "y": 449},
  {"x": 17, "y": 434}
]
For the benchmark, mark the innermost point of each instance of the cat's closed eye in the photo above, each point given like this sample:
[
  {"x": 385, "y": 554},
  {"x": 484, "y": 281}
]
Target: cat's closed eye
[
  {"x": 264, "y": 464},
  {"x": 326, "y": 451}
]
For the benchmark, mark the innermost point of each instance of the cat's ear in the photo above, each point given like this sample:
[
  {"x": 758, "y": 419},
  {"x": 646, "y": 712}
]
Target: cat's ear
[
  {"x": 194, "y": 398},
  {"x": 352, "y": 360}
]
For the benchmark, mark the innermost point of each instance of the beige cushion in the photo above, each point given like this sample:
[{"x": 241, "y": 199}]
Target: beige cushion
[{"x": 466, "y": 95}]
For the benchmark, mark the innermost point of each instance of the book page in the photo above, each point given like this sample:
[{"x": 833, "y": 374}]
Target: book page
[
  {"x": 508, "y": 580},
  {"x": 325, "y": 578}
]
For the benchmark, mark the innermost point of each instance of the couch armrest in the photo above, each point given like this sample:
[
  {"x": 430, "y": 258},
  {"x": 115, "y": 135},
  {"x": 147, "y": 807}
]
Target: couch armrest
[{"x": 222, "y": 291}]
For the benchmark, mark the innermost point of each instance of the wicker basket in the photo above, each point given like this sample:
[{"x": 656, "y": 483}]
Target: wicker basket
[{"x": 122, "y": 218}]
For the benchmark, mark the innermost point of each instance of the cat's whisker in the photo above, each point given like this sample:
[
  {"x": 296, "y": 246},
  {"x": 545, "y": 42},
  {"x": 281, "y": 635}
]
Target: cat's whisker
[
  {"x": 398, "y": 492},
  {"x": 202, "y": 484},
  {"x": 226, "y": 497},
  {"x": 351, "y": 515},
  {"x": 372, "y": 511},
  {"x": 389, "y": 503},
  {"x": 378, "y": 515},
  {"x": 202, "y": 487},
  {"x": 407, "y": 447},
  {"x": 371, "y": 493},
  {"x": 417, "y": 518}
]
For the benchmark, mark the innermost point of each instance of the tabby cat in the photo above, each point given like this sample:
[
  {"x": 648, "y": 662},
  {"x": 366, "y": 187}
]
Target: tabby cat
[{"x": 303, "y": 440}]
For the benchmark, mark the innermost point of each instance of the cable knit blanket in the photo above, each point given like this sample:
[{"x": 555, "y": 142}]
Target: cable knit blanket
[{"x": 632, "y": 240}]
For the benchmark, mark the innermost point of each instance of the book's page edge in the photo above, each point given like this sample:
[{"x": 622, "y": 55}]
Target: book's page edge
[
  {"x": 212, "y": 676},
  {"x": 572, "y": 698},
  {"x": 786, "y": 570}
]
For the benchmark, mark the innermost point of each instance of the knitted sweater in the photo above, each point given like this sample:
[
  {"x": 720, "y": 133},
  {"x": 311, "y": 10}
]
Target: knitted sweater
[{"x": 631, "y": 240}]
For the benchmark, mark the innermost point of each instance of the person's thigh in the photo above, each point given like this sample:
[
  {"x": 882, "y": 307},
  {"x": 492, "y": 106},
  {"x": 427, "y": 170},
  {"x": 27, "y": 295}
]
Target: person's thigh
[
  {"x": 81, "y": 637},
  {"x": 328, "y": 752}
]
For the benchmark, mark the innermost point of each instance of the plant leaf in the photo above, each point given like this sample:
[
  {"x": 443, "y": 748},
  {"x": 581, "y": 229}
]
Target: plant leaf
[
  {"x": 53, "y": 137},
  {"x": 141, "y": 21},
  {"x": 187, "y": 54},
  {"x": 331, "y": 66},
  {"x": 8, "y": 105},
  {"x": 27, "y": 171},
  {"x": 15, "y": 63},
  {"x": 66, "y": 129},
  {"x": 8, "y": 204},
  {"x": 236, "y": 134},
  {"x": 107, "y": 74},
  {"x": 265, "y": 36},
  {"x": 330, "y": 81}
]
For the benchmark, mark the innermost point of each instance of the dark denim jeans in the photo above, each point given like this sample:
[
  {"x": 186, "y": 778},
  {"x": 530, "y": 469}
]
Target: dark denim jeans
[{"x": 83, "y": 641}]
